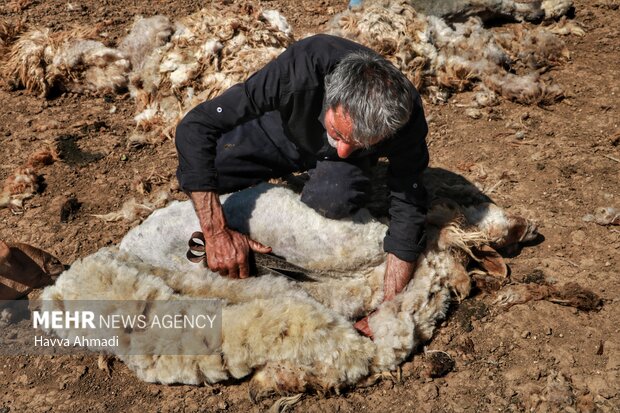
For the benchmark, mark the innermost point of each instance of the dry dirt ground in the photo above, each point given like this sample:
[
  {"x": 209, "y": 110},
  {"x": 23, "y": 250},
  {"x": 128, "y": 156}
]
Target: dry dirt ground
[{"x": 553, "y": 164}]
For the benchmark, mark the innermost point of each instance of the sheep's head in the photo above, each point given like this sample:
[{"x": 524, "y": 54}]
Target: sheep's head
[
  {"x": 501, "y": 228},
  {"x": 520, "y": 230}
]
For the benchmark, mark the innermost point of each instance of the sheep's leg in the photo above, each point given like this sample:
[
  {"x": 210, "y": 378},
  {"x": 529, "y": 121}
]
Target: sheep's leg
[{"x": 285, "y": 378}]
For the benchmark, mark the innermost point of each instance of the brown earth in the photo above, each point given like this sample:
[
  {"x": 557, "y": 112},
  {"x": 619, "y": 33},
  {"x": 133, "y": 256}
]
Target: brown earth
[{"x": 553, "y": 164}]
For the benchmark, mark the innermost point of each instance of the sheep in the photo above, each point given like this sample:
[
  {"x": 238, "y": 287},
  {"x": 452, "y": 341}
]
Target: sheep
[{"x": 301, "y": 335}]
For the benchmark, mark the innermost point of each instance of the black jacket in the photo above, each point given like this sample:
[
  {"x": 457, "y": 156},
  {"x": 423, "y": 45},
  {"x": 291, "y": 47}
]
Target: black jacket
[{"x": 293, "y": 85}]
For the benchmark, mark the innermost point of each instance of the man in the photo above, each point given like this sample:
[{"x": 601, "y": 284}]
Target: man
[{"x": 326, "y": 105}]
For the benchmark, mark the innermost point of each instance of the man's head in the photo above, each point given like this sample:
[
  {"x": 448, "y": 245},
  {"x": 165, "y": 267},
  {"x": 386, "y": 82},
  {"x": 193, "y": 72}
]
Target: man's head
[{"x": 367, "y": 100}]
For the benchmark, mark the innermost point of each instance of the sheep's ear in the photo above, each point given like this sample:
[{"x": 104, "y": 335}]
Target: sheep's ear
[
  {"x": 519, "y": 231},
  {"x": 491, "y": 261}
]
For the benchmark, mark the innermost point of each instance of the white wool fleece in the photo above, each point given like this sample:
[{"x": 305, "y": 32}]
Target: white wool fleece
[{"x": 291, "y": 336}]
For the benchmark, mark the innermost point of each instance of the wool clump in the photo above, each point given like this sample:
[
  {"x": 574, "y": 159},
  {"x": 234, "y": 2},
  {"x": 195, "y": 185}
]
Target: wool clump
[{"x": 442, "y": 58}]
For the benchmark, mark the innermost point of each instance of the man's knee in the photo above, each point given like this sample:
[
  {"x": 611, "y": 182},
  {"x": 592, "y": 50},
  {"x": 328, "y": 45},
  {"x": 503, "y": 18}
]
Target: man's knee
[{"x": 336, "y": 189}]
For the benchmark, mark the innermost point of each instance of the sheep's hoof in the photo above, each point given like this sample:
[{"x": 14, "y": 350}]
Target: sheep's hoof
[
  {"x": 373, "y": 379},
  {"x": 274, "y": 379},
  {"x": 104, "y": 362},
  {"x": 284, "y": 404},
  {"x": 282, "y": 379}
]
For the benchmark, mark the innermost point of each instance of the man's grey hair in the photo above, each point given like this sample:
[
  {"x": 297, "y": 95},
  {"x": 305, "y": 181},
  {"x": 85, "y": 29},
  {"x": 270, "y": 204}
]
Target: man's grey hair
[{"x": 376, "y": 95}]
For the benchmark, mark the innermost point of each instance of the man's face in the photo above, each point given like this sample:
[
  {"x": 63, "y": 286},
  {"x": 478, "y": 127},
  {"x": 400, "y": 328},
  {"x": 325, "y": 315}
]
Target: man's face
[{"x": 339, "y": 130}]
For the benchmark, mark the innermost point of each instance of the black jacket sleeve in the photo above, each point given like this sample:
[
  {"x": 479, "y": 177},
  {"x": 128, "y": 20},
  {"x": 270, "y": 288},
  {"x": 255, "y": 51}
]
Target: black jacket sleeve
[
  {"x": 408, "y": 158},
  {"x": 198, "y": 132}
]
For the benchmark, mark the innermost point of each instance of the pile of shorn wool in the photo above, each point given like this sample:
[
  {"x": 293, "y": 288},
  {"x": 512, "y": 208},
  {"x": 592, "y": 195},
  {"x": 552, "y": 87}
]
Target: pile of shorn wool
[
  {"x": 169, "y": 67},
  {"x": 440, "y": 58},
  {"x": 208, "y": 52},
  {"x": 42, "y": 61}
]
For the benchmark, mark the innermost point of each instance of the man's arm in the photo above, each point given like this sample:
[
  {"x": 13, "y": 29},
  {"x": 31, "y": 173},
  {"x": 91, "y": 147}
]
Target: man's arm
[
  {"x": 408, "y": 158},
  {"x": 398, "y": 273},
  {"x": 196, "y": 141},
  {"x": 198, "y": 132},
  {"x": 227, "y": 249}
]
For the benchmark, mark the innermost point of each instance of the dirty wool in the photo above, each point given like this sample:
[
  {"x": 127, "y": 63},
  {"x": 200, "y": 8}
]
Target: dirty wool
[
  {"x": 170, "y": 66},
  {"x": 24, "y": 182},
  {"x": 290, "y": 336},
  {"x": 442, "y": 58}
]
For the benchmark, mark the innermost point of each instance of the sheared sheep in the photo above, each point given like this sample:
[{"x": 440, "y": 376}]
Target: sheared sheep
[{"x": 293, "y": 336}]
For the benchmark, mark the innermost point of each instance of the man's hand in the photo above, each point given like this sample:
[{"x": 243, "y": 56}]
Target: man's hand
[
  {"x": 228, "y": 253},
  {"x": 227, "y": 250},
  {"x": 363, "y": 327},
  {"x": 398, "y": 273}
]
